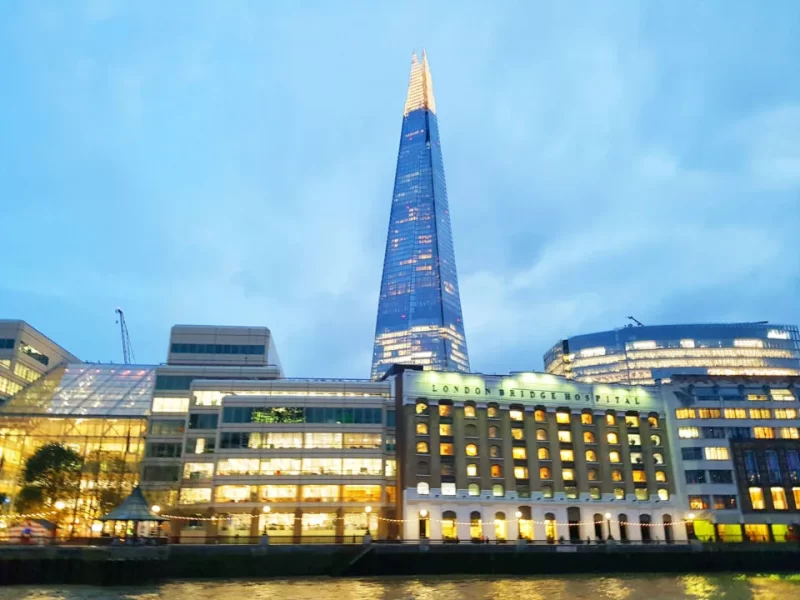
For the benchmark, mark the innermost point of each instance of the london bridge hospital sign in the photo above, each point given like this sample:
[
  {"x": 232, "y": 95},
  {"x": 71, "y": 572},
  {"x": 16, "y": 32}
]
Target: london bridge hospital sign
[{"x": 527, "y": 388}]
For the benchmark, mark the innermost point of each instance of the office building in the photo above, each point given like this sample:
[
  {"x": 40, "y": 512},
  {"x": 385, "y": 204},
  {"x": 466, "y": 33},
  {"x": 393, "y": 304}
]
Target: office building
[
  {"x": 737, "y": 442},
  {"x": 532, "y": 456},
  {"x": 419, "y": 311},
  {"x": 649, "y": 354},
  {"x": 25, "y": 355}
]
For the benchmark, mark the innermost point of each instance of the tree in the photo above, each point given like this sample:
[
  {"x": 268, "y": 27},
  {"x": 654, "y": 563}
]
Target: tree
[
  {"x": 29, "y": 500},
  {"x": 56, "y": 471}
]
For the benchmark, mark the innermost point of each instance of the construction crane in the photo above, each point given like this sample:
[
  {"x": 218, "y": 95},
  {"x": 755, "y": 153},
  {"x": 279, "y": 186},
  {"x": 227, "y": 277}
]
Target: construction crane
[
  {"x": 127, "y": 349},
  {"x": 637, "y": 321}
]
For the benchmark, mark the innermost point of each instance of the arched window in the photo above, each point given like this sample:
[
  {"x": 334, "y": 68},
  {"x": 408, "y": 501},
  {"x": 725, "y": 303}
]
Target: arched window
[
  {"x": 544, "y": 473},
  {"x": 619, "y": 493},
  {"x": 495, "y": 452},
  {"x": 423, "y": 489},
  {"x": 449, "y": 531},
  {"x": 598, "y": 526},
  {"x": 539, "y": 415},
  {"x": 550, "y": 527},
  {"x": 472, "y": 470},
  {"x": 422, "y": 448},
  {"x": 445, "y": 409},
  {"x": 469, "y": 410},
  {"x": 497, "y": 470},
  {"x": 658, "y": 458},
  {"x": 614, "y": 457},
  {"x": 592, "y": 474},
  {"x": 422, "y": 428},
  {"x": 644, "y": 524},
  {"x": 586, "y": 418},
  {"x": 492, "y": 411},
  {"x": 497, "y": 490},
  {"x": 623, "y": 527},
  {"x": 547, "y": 491},
  {"x": 541, "y": 435},
  {"x": 632, "y": 420},
  {"x": 448, "y": 469},
  {"x": 588, "y": 437},
  {"x": 543, "y": 453},
  {"x": 471, "y": 450},
  {"x": 591, "y": 456},
  {"x": 612, "y": 437},
  {"x": 652, "y": 420},
  {"x": 655, "y": 439},
  {"x": 470, "y": 430},
  {"x": 611, "y": 419},
  {"x": 525, "y": 522},
  {"x": 500, "y": 532},
  {"x": 563, "y": 417},
  {"x": 475, "y": 526},
  {"x": 663, "y": 494},
  {"x": 616, "y": 475},
  {"x": 473, "y": 489},
  {"x": 423, "y": 468},
  {"x": 422, "y": 407},
  {"x": 661, "y": 477},
  {"x": 494, "y": 432},
  {"x": 667, "y": 526}
]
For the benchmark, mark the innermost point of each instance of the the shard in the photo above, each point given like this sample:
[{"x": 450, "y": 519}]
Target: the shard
[{"x": 419, "y": 312}]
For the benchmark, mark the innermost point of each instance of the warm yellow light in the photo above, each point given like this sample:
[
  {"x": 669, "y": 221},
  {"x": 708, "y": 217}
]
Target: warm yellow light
[
  {"x": 97, "y": 527},
  {"x": 60, "y": 505},
  {"x": 266, "y": 509},
  {"x": 367, "y": 509},
  {"x": 608, "y": 515},
  {"x": 423, "y": 513},
  {"x": 691, "y": 516},
  {"x": 155, "y": 508},
  {"x": 518, "y": 514}
]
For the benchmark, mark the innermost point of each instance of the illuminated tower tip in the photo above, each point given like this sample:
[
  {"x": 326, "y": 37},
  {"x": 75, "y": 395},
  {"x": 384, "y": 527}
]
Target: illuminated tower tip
[{"x": 420, "y": 86}]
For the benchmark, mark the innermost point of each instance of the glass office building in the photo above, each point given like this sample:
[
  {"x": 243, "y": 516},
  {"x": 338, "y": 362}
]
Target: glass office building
[
  {"x": 646, "y": 354},
  {"x": 419, "y": 312}
]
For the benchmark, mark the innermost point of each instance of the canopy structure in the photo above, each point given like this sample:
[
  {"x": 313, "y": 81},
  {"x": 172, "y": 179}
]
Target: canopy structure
[{"x": 133, "y": 508}]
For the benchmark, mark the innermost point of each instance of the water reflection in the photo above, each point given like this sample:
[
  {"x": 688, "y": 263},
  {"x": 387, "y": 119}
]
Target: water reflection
[{"x": 624, "y": 587}]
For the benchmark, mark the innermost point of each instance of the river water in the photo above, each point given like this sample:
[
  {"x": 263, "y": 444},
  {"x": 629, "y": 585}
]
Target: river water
[{"x": 633, "y": 587}]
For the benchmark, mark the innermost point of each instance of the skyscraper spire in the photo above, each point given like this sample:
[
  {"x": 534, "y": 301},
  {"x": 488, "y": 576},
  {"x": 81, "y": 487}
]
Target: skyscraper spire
[
  {"x": 420, "y": 86},
  {"x": 419, "y": 310}
]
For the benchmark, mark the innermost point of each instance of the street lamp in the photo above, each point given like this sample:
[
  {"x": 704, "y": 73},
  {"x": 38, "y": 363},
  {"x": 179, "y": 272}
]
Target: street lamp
[
  {"x": 155, "y": 508},
  {"x": 367, "y": 511},
  {"x": 608, "y": 524},
  {"x": 60, "y": 505},
  {"x": 518, "y": 515}
]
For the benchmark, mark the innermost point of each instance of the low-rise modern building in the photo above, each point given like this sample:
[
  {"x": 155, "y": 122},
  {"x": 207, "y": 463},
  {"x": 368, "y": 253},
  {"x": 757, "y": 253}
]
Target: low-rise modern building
[
  {"x": 650, "y": 354},
  {"x": 533, "y": 456},
  {"x": 25, "y": 355},
  {"x": 737, "y": 443}
]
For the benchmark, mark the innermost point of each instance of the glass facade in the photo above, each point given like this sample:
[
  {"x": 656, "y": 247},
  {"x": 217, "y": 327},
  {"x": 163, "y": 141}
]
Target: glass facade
[
  {"x": 642, "y": 355},
  {"x": 419, "y": 312}
]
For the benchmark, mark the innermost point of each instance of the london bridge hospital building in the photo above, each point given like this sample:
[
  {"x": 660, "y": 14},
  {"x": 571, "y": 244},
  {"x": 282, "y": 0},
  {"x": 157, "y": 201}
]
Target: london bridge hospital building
[{"x": 533, "y": 456}]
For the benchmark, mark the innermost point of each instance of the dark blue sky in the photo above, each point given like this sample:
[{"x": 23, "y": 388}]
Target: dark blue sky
[{"x": 232, "y": 163}]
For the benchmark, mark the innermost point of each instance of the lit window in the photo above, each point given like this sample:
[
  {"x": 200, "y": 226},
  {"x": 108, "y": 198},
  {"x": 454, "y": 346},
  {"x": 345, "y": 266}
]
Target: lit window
[
  {"x": 474, "y": 489},
  {"x": 517, "y": 433},
  {"x": 591, "y": 456},
  {"x": 632, "y": 421},
  {"x": 789, "y": 433},
  {"x": 497, "y": 490},
  {"x": 663, "y": 494},
  {"x": 423, "y": 489},
  {"x": 716, "y": 453},
  {"x": 520, "y": 472},
  {"x": 616, "y": 475},
  {"x": 782, "y": 396},
  {"x": 642, "y": 495},
  {"x": 614, "y": 457},
  {"x": 547, "y": 491},
  {"x": 594, "y": 493},
  {"x": 661, "y": 477},
  {"x": 655, "y": 439},
  {"x": 568, "y": 474},
  {"x": 685, "y": 413},
  {"x": 469, "y": 411},
  {"x": 539, "y": 416},
  {"x": 544, "y": 473},
  {"x": 652, "y": 420},
  {"x": 757, "y": 498},
  {"x": 472, "y": 470},
  {"x": 586, "y": 418},
  {"x": 543, "y": 453},
  {"x": 639, "y": 476},
  {"x": 494, "y": 432},
  {"x": 446, "y": 449},
  {"x": 495, "y": 452},
  {"x": 496, "y": 470},
  {"x": 515, "y": 415},
  {"x": 422, "y": 408},
  {"x": 565, "y": 437},
  {"x": 541, "y": 435},
  {"x": 658, "y": 458},
  {"x": 448, "y": 489},
  {"x": 519, "y": 453},
  {"x": 445, "y": 429},
  {"x": 562, "y": 417},
  {"x": 688, "y": 433},
  {"x": 785, "y": 413},
  {"x": 422, "y": 448},
  {"x": 445, "y": 410},
  {"x": 698, "y": 502},
  {"x": 619, "y": 493},
  {"x": 612, "y": 438},
  {"x": 735, "y": 413},
  {"x": 687, "y": 343},
  {"x": 760, "y": 413},
  {"x": 567, "y": 455},
  {"x": 422, "y": 429},
  {"x": 611, "y": 419},
  {"x": 170, "y": 405},
  {"x": 492, "y": 412},
  {"x": 779, "y": 498},
  {"x": 709, "y": 413},
  {"x": 472, "y": 450},
  {"x": 592, "y": 475},
  {"x": 796, "y": 494},
  {"x": 763, "y": 433}
]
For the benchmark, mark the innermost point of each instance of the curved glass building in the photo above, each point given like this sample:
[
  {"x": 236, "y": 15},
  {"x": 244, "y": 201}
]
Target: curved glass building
[{"x": 644, "y": 354}]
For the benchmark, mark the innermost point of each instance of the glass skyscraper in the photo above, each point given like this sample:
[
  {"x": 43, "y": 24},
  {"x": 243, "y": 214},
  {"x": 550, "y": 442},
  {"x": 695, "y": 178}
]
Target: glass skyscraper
[{"x": 419, "y": 311}]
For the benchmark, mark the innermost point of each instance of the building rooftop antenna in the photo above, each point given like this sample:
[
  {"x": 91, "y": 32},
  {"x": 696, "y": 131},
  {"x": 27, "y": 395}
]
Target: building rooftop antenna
[
  {"x": 637, "y": 321},
  {"x": 127, "y": 349}
]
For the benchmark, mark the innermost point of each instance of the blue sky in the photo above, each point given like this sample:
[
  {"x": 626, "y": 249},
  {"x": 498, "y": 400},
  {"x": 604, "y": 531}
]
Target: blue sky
[{"x": 232, "y": 163}]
